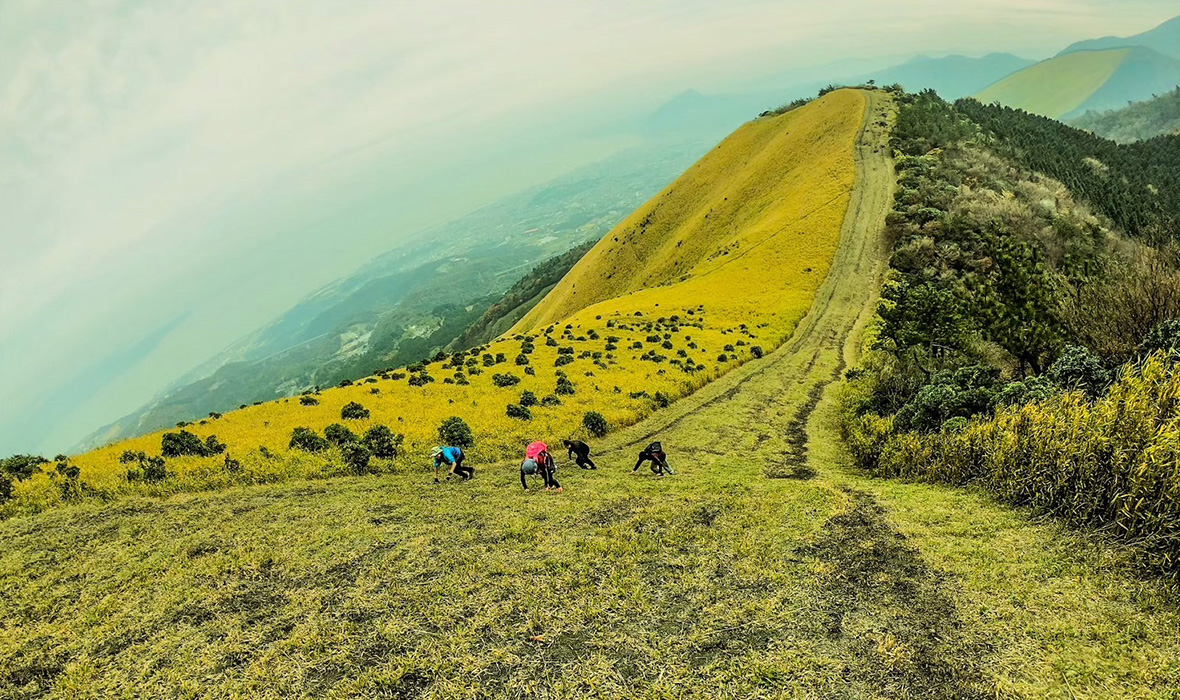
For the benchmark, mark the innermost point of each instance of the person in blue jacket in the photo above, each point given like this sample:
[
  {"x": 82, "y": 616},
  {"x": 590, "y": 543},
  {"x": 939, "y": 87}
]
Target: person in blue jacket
[{"x": 454, "y": 457}]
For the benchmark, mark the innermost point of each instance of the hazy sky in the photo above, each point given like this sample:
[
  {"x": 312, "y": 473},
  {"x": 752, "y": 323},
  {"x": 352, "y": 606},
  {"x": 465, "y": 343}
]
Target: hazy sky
[{"x": 173, "y": 174}]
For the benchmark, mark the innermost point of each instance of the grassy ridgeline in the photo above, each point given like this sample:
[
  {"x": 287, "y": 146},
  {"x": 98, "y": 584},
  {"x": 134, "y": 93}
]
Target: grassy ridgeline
[{"x": 751, "y": 236}]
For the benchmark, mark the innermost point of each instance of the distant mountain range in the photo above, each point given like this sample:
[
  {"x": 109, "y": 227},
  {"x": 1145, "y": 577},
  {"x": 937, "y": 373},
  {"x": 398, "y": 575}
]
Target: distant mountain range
[
  {"x": 1164, "y": 39},
  {"x": 1095, "y": 75}
]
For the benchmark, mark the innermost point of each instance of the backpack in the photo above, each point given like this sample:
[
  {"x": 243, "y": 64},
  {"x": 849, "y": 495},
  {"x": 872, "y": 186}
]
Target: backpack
[{"x": 529, "y": 466}]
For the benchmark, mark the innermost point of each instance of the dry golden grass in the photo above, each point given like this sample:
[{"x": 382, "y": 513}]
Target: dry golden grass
[{"x": 730, "y": 260}]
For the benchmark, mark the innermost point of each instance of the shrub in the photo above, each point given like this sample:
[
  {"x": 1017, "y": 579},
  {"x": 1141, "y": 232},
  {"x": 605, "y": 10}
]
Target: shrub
[
  {"x": 505, "y": 380},
  {"x": 338, "y": 435},
  {"x": 308, "y": 401},
  {"x": 150, "y": 469},
  {"x": 1108, "y": 463},
  {"x": 356, "y": 457},
  {"x": 662, "y": 399},
  {"x": 307, "y": 440},
  {"x": 455, "y": 431},
  {"x": 181, "y": 443},
  {"x": 564, "y": 387},
  {"x": 22, "y": 466},
  {"x": 595, "y": 423},
  {"x": 213, "y": 446},
  {"x": 528, "y": 398},
  {"x": 519, "y": 412},
  {"x": 563, "y": 360},
  {"x": 723, "y": 358},
  {"x": 354, "y": 411},
  {"x": 382, "y": 442},
  {"x": 1079, "y": 369},
  {"x": 756, "y": 350},
  {"x": 501, "y": 357},
  {"x": 5, "y": 488},
  {"x": 550, "y": 401},
  {"x": 522, "y": 360},
  {"x": 1163, "y": 338}
]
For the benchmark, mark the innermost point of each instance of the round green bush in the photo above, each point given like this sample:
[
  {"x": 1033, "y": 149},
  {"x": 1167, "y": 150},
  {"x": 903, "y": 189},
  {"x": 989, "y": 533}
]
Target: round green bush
[
  {"x": 455, "y": 432},
  {"x": 354, "y": 411},
  {"x": 595, "y": 423}
]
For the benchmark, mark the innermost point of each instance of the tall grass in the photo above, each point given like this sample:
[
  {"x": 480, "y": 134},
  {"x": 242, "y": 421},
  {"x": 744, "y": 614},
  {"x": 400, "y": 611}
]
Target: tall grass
[{"x": 1112, "y": 464}]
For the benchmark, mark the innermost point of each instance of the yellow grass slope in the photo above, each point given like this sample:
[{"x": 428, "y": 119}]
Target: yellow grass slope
[
  {"x": 749, "y": 230},
  {"x": 1057, "y": 86},
  {"x": 729, "y": 260}
]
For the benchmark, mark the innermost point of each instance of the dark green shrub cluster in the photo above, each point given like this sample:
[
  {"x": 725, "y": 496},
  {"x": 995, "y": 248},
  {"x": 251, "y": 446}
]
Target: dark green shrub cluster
[
  {"x": 354, "y": 411},
  {"x": 505, "y": 380},
  {"x": 183, "y": 443},
  {"x": 519, "y": 412},
  {"x": 595, "y": 423},
  {"x": 307, "y": 440},
  {"x": 455, "y": 432},
  {"x": 382, "y": 442},
  {"x": 338, "y": 435}
]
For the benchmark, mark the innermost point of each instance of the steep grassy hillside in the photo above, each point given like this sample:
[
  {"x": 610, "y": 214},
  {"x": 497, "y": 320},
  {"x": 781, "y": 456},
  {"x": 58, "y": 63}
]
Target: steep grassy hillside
[
  {"x": 740, "y": 243},
  {"x": 1135, "y": 122},
  {"x": 413, "y": 300},
  {"x": 1072, "y": 83},
  {"x": 1056, "y": 86},
  {"x": 747, "y": 229}
]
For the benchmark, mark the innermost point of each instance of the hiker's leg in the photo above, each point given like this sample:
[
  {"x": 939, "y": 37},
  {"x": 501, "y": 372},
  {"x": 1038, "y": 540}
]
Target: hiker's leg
[
  {"x": 642, "y": 458},
  {"x": 523, "y": 482},
  {"x": 590, "y": 462}
]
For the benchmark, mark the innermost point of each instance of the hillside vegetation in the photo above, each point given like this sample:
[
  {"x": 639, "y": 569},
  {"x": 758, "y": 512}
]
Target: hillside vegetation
[
  {"x": 1023, "y": 343},
  {"x": 1136, "y": 122},
  {"x": 757, "y": 214},
  {"x": 761, "y": 213},
  {"x": 415, "y": 299}
]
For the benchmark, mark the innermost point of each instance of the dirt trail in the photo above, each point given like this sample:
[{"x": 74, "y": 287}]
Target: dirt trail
[{"x": 766, "y": 403}]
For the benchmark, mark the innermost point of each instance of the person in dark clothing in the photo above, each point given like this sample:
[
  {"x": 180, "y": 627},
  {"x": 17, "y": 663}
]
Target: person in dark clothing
[
  {"x": 580, "y": 453},
  {"x": 542, "y": 464},
  {"x": 654, "y": 453},
  {"x": 453, "y": 456}
]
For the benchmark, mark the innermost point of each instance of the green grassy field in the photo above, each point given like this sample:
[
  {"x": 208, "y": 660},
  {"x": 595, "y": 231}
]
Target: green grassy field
[
  {"x": 1057, "y": 86},
  {"x": 765, "y": 568}
]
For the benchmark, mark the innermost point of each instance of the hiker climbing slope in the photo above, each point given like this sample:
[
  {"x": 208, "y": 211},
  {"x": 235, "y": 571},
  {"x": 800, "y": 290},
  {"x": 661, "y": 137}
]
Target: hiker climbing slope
[
  {"x": 453, "y": 456},
  {"x": 580, "y": 453},
  {"x": 537, "y": 460},
  {"x": 654, "y": 453}
]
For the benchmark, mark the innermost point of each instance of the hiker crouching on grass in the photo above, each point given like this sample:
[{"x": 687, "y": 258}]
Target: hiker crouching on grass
[
  {"x": 454, "y": 457},
  {"x": 537, "y": 460},
  {"x": 580, "y": 453},
  {"x": 659, "y": 461}
]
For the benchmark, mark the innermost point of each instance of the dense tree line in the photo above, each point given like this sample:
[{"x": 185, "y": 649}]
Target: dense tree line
[{"x": 1136, "y": 185}]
